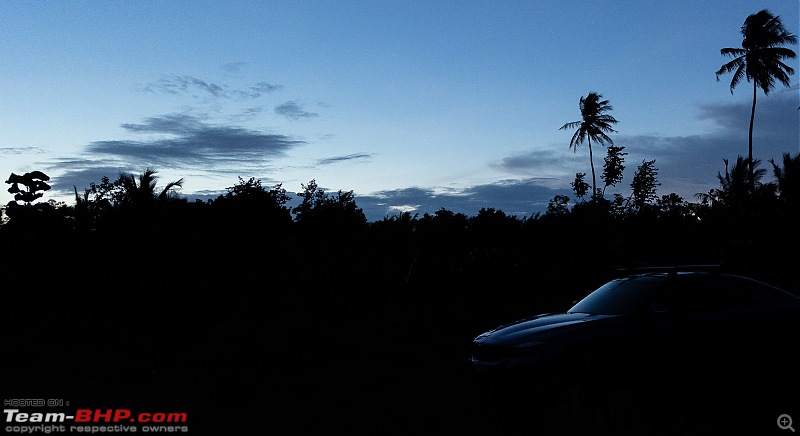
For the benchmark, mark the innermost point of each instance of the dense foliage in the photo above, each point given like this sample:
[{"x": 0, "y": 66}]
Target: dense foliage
[{"x": 326, "y": 239}]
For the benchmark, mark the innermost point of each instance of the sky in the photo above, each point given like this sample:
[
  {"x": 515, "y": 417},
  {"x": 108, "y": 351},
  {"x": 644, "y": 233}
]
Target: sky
[{"x": 414, "y": 106}]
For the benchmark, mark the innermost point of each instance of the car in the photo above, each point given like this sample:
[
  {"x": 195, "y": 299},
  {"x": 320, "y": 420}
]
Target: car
[{"x": 676, "y": 320}]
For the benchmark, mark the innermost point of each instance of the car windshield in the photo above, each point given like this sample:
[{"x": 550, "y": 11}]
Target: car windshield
[{"x": 620, "y": 296}]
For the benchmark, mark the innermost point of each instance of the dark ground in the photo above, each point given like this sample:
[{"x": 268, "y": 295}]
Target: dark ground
[
  {"x": 297, "y": 347},
  {"x": 382, "y": 374}
]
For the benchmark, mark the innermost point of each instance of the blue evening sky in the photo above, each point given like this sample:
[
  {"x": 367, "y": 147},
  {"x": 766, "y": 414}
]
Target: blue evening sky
[{"x": 413, "y": 105}]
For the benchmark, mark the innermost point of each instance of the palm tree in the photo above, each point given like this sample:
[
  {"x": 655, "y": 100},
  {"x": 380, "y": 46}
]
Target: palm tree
[
  {"x": 759, "y": 60},
  {"x": 143, "y": 194},
  {"x": 594, "y": 125},
  {"x": 140, "y": 202},
  {"x": 735, "y": 185},
  {"x": 788, "y": 178}
]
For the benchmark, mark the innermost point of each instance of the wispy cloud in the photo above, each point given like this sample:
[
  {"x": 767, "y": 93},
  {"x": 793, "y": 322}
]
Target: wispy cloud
[
  {"x": 80, "y": 173},
  {"x": 174, "y": 124},
  {"x": 263, "y": 88},
  {"x": 345, "y": 158},
  {"x": 191, "y": 139},
  {"x": 294, "y": 111},
  {"x": 21, "y": 150},
  {"x": 551, "y": 161},
  {"x": 234, "y": 67},
  {"x": 177, "y": 141},
  {"x": 189, "y": 85},
  {"x": 246, "y": 114}
]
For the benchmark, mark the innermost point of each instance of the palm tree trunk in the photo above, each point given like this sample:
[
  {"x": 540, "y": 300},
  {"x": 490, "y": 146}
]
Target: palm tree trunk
[
  {"x": 591, "y": 162},
  {"x": 750, "y": 139}
]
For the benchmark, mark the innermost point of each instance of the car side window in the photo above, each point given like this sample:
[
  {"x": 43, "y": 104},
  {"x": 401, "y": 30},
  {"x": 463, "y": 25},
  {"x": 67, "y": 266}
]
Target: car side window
[
  {"x": 737, "y": 293},
  {"x": 688, "y": 295}
]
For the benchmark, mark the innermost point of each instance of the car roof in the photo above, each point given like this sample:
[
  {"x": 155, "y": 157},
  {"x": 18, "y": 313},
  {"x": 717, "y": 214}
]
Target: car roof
[
  {"x": 695, "y": 271},
  {"x": 665, "y": 269}
]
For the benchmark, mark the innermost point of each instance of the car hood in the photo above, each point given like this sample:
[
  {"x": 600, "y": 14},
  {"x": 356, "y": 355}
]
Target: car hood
[{"x": 540, "y": 327}]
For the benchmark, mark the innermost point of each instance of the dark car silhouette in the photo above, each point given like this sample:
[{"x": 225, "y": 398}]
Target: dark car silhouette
[{"x": 658, "y": 321}]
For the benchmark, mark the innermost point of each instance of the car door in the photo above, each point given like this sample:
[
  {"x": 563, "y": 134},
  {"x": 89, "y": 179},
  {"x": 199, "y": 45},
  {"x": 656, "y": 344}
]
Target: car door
[{"x": 683, "y": 322}]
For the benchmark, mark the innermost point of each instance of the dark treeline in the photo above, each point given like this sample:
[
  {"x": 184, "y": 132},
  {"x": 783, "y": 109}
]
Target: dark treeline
[
  {"x": 221, "y": 290},
  {"x": 744, "y": 224}
]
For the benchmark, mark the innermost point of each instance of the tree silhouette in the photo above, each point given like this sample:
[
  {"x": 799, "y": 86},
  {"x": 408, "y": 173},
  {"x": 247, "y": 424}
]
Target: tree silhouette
[
  {"x": 249, "y": 208},
  {"x": 759, "y": 60},
  {"x": 643, "y": 186},
  {"x": 558, "y": 206},
  {"x": 251, "y": 198},
  {"x": 139, "y": 202},
  {"x": 42, "y": 218},
  {"x": 788, "y": 178},
  {"x": 33, "y": 181},
  {"x": 579, "y": 185},
  {"x": 735, "y": 185},
  {"x": 144, "y": 194},
  {"x": 613, "y": 166},
  {"x": 593, "y": 125},
  {"x": 339, "y": 213}
]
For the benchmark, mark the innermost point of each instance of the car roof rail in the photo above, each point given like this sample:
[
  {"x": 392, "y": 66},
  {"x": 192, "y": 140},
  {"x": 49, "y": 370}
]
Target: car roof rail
[{"x": 669, "y": 269}]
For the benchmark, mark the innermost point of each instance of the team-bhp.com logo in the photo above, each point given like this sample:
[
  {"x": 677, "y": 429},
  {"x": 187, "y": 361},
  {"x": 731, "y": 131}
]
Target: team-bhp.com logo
[{"x": 91, "y": 421}]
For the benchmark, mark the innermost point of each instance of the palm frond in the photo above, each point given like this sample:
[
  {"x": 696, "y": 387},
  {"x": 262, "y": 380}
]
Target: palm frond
[
  {"x": 577, "y": 139},
  {"x": 733, "y": 52},
  {"x": 169, "y": 188},
  {"x": 728, "y": 67}
]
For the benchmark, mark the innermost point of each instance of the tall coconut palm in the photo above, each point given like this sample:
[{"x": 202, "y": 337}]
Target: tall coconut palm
[
  {"x": 759, "y": 60},
  {"x": 594, "y": 124}
]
